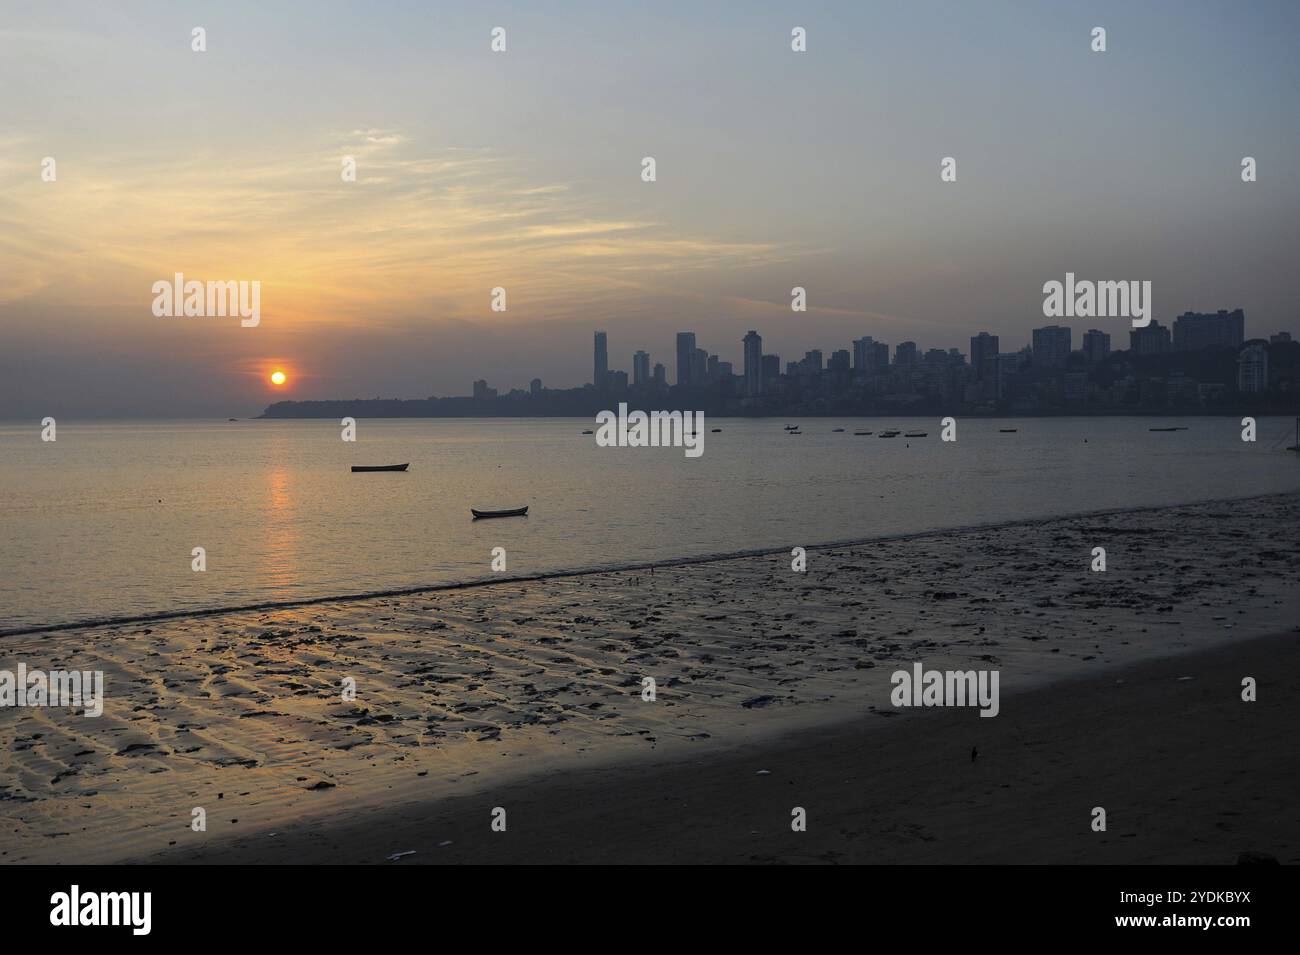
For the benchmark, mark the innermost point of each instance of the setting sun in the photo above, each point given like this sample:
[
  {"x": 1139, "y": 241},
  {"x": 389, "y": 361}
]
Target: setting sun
[{"x": 278, "y": 378}]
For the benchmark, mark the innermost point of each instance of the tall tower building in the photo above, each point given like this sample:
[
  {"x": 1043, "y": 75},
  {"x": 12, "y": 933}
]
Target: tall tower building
[
  {"x": 984, "y": 356},
  {"x": 685, "y": 356},
  {"x": 1096, "y": 346},
  {"x": 861, "y": 348},
  {"x": 1051, "y": 346},
  {"x": 640, "y": 368},
  {"x": 753, "y": 363}
]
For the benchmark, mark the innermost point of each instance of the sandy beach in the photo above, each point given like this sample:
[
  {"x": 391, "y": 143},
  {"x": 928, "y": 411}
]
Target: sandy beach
[
  {"x": 527, "y": 695},
  {"x": 1186, "y": 771}
]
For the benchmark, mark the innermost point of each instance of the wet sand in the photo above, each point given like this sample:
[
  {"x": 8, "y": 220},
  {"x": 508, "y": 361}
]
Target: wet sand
[
  {"x": 1186, "y": 771},
  {"x": 534, "y": 689}
]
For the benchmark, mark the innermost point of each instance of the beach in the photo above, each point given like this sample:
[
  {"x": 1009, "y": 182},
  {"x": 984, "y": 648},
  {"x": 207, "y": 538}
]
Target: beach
[
  {"x": 528, "y": 695},
  {"x": 1188, "y": 774}
]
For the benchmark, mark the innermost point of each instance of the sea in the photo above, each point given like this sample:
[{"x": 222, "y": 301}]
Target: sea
[{"x": 104, "y": 522}]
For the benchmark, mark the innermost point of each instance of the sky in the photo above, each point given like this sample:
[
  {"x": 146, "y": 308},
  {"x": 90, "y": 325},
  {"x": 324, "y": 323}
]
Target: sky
[{"x": 522, "y": 170}]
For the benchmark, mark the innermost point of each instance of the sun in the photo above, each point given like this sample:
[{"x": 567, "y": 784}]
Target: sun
[{"x": 278, "y": 378}]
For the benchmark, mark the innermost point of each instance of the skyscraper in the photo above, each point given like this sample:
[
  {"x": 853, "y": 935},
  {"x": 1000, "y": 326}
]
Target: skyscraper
[
  {"x": 753, "y": 363},
  {"x": 601, "y": 371},
  {"x": 1150, "y": 339},
  {"x": 905, "y": 354},
  {"x": 699, "y": 367},
  {"x": 1096, "y": 346},
  {"x": 877, "y": 358},
  {"x": 640, "y": 368},
  {"x": 1194, "y": 330},
  {"x": 685, "y": 356},
  {"x": 661, "y": 374},
  {"x": 861, "y": 349},
  {"x": 1051, "y": 346},
  {"x": 984, "y": 356},
  {"x": 1252, "y": 367}
]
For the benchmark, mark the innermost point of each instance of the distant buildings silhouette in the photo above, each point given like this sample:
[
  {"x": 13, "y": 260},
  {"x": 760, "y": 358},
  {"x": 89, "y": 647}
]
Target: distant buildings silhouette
[{"x": 1205, "y": 365}]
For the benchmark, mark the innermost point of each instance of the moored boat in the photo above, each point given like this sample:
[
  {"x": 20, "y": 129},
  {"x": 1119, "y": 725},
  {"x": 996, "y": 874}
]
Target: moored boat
[
  {"x": 380, "y": 467},
  {"x": 512, "y": 512}
]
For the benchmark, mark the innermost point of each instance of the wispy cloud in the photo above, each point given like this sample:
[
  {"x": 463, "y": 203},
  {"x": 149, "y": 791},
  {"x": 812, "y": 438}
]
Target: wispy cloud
[{"x": 417, "y": 226}]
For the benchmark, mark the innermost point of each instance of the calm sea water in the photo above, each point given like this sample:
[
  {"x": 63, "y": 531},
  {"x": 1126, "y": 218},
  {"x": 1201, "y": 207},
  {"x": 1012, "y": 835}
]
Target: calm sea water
[{"x": 102, "y": 522}]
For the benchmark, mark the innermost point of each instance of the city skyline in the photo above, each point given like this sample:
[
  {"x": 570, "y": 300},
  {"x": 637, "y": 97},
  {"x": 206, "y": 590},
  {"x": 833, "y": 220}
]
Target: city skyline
[
  {"x": 1202, "y": 363},
  {"x": 818, "y": 170},
  {"x": 1050, "y": 345}
]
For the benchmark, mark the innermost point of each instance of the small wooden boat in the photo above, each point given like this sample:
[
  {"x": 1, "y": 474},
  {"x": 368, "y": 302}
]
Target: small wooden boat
[
  {"x": 588, "y": 432},
  {"x": 836, "y": 430},
  {"x": 380, "y": 467},
  {"x": 1007, "y": 430},
  {"x": 513, "y": 512},
  {"x": 861, "y": 433},
  {"x": 792, "y": 427},
  {"x": 917, "y": 434},
  {"x": 889, "y": 434},
  {"x": 1166, "y": 429},
  {"x": 716, "y": 430}
]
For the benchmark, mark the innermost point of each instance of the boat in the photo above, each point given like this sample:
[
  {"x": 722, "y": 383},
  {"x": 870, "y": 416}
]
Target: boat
[
  {"x": 861, "y": 433},
  {"x": 588, "y": 432},
  {"x": 836, "y": 430},
  {"x": 792, "y": 427},
  {"x": 380, "y": 467},
  {"x": 513, "y": 512},
  {"x": 1007, "y": 430},
  {"x": 716, "y": 430},
  {"x": 1166, "y": 429},
  {"x": 917, "y": 434},
  {"x": 232, "y": 419},
  {"x": 890, "y": 434},
  {"x": 796, "y": 431}
]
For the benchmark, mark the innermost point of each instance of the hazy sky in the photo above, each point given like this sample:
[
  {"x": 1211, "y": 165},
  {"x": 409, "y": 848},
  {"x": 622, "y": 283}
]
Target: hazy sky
[{"x": 522, "y": 169}]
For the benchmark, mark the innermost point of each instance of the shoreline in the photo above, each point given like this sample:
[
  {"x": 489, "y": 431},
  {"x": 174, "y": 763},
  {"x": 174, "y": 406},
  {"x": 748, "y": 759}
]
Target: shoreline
[
  {"x": 668, "y": 562},
  {"x": 245, "y": 714},
  {"x": 906, "y": 793}
]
